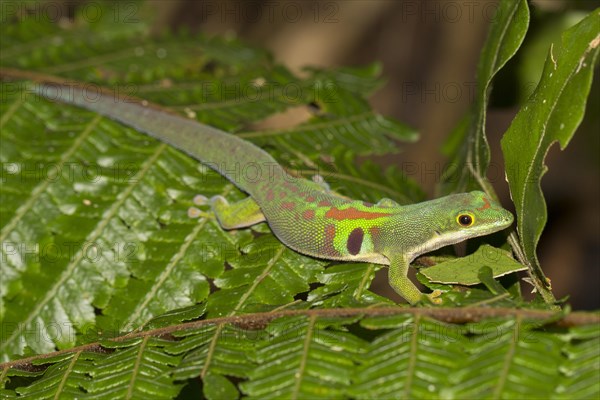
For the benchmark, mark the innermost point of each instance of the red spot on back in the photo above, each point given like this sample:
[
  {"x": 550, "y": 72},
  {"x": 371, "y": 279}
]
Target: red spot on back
[
  {"x": 328, "y": 247},
  {"x": 291, "y": 187},
  {"x": 486, "y": 204},
  {"x": 374, "y": 231},
  {"x": 270, "y": 195},
  {"x": 329, "y": 232},
  {"x": 288, "y": 205},
  {"x": 324, "y": 203},
  {"x": 353, "y": 213},
  {"x": 310, "y": 199},
  {"x": 308, "y": 215},
  {"x": 282, "y": 194}
]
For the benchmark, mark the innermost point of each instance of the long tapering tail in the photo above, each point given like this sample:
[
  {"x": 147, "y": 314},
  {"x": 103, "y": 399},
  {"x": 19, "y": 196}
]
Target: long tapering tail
[{"x": 243, "y": 163}]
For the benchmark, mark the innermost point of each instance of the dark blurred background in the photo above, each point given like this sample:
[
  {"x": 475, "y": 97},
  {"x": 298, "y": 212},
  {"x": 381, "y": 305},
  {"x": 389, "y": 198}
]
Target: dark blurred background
[{"x": 429, "y": 51}]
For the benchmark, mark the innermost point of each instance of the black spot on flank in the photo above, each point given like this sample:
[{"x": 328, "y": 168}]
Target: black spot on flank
[{"x": 355, "y": 241}]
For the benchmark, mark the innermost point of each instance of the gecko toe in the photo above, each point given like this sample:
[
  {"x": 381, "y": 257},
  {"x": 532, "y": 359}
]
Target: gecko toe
[
  {"x": 200, "y": 200},
  {"x": 194, "y": 212},
  {"x": 434, "y": 297}
]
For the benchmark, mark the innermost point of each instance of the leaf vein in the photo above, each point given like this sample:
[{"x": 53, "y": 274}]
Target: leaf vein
[
  {"x": 305, "y": 347},
  {"x": 136, "y": 367},
  {"x": 508, "y": 358},
  {"x": 66, "y": 374},
  {"x": 412, "y": 360}
]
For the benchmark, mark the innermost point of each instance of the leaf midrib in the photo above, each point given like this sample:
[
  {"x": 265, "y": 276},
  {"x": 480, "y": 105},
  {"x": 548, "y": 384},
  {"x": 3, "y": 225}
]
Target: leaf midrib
[
  {"x": 412, "y": 360},
  {"x": 303, "y": 361},
  {"x": 508, "y": 358}
]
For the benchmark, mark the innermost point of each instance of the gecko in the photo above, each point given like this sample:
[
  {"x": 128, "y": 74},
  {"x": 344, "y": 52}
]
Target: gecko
[{"x": 303, "y": 214}]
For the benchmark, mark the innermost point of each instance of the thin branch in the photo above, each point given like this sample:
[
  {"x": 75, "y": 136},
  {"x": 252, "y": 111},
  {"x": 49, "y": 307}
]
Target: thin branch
[{"x": 258, "y": 321}]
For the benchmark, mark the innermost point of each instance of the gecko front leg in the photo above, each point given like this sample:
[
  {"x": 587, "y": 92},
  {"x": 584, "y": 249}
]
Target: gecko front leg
[
  {"x": 397, "y": 276},
  {"x": 399, "y": 281}
]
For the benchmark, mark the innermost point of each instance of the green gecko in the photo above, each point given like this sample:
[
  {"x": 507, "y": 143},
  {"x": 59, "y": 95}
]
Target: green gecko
[{"x": 304, "y": 215}]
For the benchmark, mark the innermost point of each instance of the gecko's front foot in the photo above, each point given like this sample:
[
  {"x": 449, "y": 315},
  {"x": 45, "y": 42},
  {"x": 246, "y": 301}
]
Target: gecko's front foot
[{"x": 434, "y": 297}]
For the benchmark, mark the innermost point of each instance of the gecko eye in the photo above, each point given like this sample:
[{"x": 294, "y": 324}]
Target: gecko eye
[{"x": 465, "y": 220}]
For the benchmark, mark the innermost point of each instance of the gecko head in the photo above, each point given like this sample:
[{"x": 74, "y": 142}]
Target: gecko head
[
  {"x": 473, "y": 214},
  {"x": 444, "y": 221}
]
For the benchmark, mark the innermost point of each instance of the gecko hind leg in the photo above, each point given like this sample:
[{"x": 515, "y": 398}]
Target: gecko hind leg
[
  {"x": 385, "y": 202},
  {"x": 241, "y": 214},
  {"x": 321, "y": 185}
]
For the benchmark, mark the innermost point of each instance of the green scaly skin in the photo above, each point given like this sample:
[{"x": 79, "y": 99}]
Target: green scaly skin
[{"x": 304, "y": 215}]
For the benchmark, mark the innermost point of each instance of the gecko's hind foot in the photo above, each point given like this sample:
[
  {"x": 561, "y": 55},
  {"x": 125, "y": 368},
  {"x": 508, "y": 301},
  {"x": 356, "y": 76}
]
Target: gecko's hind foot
[
  {"x": 321, "y": 185},
  {"x": 385, "y": 202},
  {"x": 320, "y": 181},
  {"x": 195, "y": 212},
  {"x": 200, "y": 200}
]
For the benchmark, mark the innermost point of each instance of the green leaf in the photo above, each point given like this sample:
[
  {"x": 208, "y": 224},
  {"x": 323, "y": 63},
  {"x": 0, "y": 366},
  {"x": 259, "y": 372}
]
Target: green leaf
[
  {"x": 465, "y": 270},
  {"x": 363, "y": 132},
  {"x": 552, "y": 114},
  {"x": 486, "y": 276},
  {"x": 219, "y": 387},
  {"x": 579, "y": 369},
  {"x": 407, "y": 361},
  {"x": 547, "y": 30},
  {"x": 269, "y": 274},
  {"x": 137, "y": 369},
  {"x": 303, "y": 358},
  {"x": 346, "y": 285},
  {"x": 368, "y": 181},
  {"x": 177, "y": 316},
  {"x": 469, "y": 162},
  {"x": 215, "y": 349},
  {"x": 354, "y": 79},
  {"x": 501, "y": 362}
]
